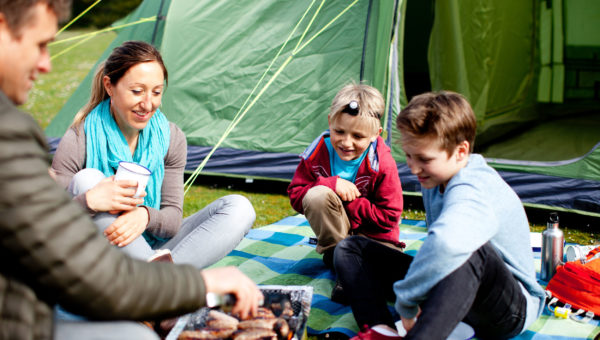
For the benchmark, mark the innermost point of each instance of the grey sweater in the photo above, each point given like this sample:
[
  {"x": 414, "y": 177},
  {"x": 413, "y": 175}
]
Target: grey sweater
[
  {"x": 476, "y": 207},
  {"x": 70, "y": 158}
]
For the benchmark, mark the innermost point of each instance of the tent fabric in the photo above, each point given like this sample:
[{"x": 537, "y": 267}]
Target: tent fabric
[
  {"x": 225, "y": 70},
  {"x": 558, "y": 141},
  {"x": 281, "y": 254},
  {"x": 217, "y": 51},
  {"x": 490, "y": 52},
  {"x": 488, "y": 56}
]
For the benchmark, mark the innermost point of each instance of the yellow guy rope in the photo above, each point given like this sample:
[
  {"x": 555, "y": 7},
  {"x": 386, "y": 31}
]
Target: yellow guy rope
[
  {"x": 297, "y": 49},
  {"x": 71, "y": 47},
  {"x": 140, "y": 21},
  {"x": 77, "y": 18},
  {"x": 87, "y": 36},
  {"x": 237, "y": 116}
]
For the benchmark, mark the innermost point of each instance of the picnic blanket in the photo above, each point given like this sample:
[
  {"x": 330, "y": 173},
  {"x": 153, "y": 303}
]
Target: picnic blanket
[{"x": 281, "y": 254}]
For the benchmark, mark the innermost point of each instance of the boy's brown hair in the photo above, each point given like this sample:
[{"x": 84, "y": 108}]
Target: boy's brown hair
[
  {"x": 445, "y": 115},
  {"x": 18, "y": 13},
  {"x": 370, "y": 104}
]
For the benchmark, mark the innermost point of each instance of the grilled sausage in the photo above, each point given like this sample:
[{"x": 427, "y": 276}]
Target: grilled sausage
[
  {"x": 255, "y": 334},
  {"x": 218, "y": 319},
  {"x": 206, "y": 334}
]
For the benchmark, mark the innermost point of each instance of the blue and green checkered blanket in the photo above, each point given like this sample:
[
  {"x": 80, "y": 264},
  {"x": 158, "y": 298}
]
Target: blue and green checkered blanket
[{"x": 280, "y": 254}]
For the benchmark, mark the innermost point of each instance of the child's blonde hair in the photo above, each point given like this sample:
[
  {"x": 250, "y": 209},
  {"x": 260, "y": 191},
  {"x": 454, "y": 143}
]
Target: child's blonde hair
[
  {"x": 445, "y": 115},
  {"x": 368, "y": 101}
]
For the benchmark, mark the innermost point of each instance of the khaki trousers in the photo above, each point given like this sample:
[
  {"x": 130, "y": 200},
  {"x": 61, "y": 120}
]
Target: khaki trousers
[{"x": 326, "y": 215}]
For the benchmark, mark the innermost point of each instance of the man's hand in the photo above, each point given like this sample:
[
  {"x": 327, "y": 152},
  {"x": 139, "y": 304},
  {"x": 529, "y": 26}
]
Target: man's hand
[
  {"x": 127, "y": 227},
  {"x": 346, "y": 190},
  {"x": 230, "y": 280}
]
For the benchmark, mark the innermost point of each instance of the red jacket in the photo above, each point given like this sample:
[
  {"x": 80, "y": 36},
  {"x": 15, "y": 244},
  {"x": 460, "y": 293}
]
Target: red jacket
[{"x": 377, "y": 212}]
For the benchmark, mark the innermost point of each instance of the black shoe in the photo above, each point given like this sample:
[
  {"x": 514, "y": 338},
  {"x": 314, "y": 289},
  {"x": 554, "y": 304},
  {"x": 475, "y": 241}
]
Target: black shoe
[
  {"x": 338, "y": 295},
  {"x": 328, "y": 258}
]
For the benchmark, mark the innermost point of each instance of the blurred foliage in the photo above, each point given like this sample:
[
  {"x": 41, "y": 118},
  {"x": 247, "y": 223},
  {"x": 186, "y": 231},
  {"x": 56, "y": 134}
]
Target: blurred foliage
[
  {"x": 53, "y": 89},
  {"x": 104, "y": 13}
]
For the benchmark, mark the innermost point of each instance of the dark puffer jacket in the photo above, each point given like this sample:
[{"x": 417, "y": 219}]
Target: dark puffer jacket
[{"x": 51, "y": 252}]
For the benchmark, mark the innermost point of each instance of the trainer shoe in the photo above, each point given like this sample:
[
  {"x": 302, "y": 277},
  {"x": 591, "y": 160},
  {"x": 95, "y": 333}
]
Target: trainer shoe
[
  {"x": 161, "y": 255},
  {"x": 376, "y": 333}
]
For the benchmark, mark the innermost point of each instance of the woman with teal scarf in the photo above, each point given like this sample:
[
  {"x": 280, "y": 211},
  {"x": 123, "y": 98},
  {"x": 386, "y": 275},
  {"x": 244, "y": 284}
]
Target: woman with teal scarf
[{"x": 123, "y": 122}]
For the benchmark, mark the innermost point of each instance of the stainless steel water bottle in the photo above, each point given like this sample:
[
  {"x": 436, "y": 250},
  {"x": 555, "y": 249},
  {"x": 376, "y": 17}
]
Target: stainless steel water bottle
[{"x": 552, "y": 248}]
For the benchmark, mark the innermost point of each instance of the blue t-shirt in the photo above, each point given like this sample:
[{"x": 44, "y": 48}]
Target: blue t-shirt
[{"x": 339, "y": 167}]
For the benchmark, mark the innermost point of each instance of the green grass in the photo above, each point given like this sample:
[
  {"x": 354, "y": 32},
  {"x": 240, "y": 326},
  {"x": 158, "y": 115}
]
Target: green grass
[
  {"x": 52, "y": 90},
  {"x": 270, "y": 203},
  {"x": 572, "y": 235}
]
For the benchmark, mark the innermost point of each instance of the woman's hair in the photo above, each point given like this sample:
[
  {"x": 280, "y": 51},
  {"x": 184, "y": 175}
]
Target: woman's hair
[
  {"x": 122, "y": 58},
  {"x": 359, "y": 100},
  {"x": 445, "y": 115}
]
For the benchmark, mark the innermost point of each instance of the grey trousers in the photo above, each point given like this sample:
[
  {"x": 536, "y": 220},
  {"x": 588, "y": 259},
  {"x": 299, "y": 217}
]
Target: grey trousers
[{"x": 204, "y": 237}]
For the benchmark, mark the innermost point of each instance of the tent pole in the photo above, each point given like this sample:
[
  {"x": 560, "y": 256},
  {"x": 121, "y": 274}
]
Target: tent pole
[
  {"x": 364, "y": 50},
  {"x": 158, "y": 19}
]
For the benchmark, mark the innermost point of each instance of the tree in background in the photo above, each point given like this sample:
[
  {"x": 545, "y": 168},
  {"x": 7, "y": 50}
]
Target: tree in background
[{"x": 104, "y": 13}]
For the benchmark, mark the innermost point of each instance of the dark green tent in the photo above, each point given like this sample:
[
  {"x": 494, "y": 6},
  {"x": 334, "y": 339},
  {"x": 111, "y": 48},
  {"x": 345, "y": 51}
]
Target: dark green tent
[{"x": 531, "y": 70}]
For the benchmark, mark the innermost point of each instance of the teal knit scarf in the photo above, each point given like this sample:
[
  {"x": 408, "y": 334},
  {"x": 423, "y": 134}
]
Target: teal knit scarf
[{"x": 106, "y": 146}]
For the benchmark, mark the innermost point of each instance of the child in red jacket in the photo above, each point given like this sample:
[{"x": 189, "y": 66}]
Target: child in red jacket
[{"x": 347, "y": 181}]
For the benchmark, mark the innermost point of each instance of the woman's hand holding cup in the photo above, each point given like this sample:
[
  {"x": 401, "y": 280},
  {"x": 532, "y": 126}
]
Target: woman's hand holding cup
[
  {"x": 113, "y": 196},
  {"x": 134, "y": 172}
]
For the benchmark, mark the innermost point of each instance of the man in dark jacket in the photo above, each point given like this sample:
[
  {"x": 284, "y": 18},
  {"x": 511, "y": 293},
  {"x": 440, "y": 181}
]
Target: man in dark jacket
[{"x": 51, "y": 252}]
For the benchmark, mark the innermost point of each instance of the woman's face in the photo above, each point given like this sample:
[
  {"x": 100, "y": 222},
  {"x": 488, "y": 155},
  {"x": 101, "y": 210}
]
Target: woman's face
[{"x": 136, "y": 96}]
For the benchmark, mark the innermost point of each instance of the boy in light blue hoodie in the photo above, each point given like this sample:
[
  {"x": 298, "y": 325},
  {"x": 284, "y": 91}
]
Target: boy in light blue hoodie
[{"x": 476, "y": 264}]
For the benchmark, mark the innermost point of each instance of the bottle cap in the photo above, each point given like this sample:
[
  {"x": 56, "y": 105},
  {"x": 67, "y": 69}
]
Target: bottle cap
[{"x": 553, "y": 217}]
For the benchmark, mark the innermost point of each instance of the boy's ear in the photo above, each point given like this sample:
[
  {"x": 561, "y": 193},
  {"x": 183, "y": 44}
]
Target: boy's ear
[
  {"x": 462, "y": 150},
  {"x": 374, "y": 138}
]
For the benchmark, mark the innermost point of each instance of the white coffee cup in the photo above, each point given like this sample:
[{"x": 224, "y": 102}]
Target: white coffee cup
[{"x": 135, "y": 172}]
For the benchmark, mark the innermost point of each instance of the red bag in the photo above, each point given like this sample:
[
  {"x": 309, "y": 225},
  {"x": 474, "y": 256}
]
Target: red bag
[{"x": 578, "y": 284}]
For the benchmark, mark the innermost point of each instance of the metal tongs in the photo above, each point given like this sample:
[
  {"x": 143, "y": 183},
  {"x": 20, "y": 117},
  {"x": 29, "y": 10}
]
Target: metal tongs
[{"x": 223, "y": 301}]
